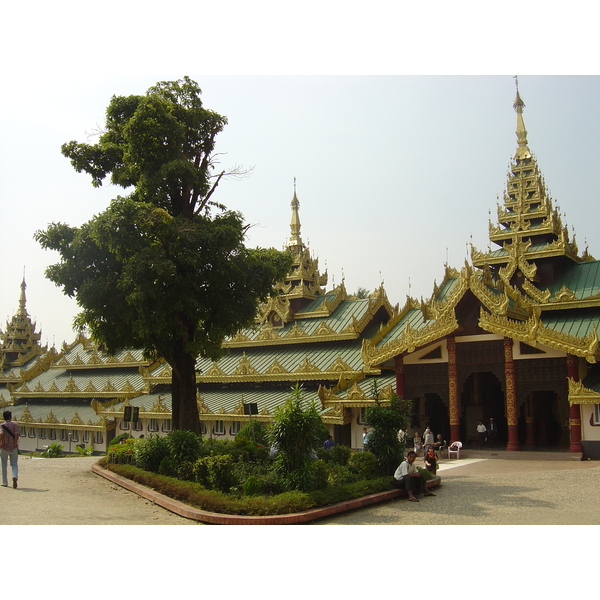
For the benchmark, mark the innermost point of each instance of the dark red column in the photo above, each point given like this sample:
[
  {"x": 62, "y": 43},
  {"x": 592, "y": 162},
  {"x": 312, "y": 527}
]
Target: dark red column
[
  {"x": 453, "y": 391},
  {"x": 574, "y": 409},
  {"x": 400, "y": 381},
  {"x": 511, "y": 396}
]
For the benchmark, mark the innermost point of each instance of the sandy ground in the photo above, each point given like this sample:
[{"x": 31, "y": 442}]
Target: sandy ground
[{"x": 479, "y": 489}]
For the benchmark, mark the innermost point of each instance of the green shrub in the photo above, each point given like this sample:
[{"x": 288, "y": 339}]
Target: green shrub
[
  {"x": 184, "y": 445},
  {"x": 254, "y": 431},
  {"x": 216, "y": 472},
  {"x": 122, "y": 453},
  {"x": 149, "y": 452},
  {"x": 82, "y": 451},
  {"x": 385, "y": 421},
  {"x": 364, "y": 464},
  {"x": 117, "y": 439},
  {"x": 341, "y": 474},
  {"x": 338, "y": 455},
  {"x": 53, "y": 451},
  {"x": 297, "y": 434}
]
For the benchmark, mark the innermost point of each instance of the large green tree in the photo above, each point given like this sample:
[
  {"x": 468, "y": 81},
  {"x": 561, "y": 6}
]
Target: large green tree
[{"x": 164, "y": 268}]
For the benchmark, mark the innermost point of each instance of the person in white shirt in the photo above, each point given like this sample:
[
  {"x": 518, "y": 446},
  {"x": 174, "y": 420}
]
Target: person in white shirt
[
  {"x": 407, "y": 477},
  {"x": 481, "y": 431}
]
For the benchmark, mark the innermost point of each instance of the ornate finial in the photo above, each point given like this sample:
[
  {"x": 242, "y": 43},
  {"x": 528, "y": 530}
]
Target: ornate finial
[
  {"x": 295, "y": 240},
  {"x": 519, "y": 105},
  {"x": 22, "y": 298}
]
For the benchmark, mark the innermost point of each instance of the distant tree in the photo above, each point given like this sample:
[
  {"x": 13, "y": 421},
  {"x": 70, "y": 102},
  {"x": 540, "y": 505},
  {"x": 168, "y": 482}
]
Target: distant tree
[
  {"x": 362, "y": 293},
  {"x": 157, "y": 270}
]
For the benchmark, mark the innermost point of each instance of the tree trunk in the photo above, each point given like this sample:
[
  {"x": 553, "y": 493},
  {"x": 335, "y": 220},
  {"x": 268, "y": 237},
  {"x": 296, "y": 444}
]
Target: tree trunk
[{"x": 184, "y": 408}]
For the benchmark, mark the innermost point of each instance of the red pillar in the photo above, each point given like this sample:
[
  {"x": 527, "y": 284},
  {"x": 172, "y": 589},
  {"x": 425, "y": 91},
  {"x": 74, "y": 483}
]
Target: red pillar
[
  {"x": 511, "y": 396},
  {"x": 400, "y": 381},
  {"x": 574, "y": 409},
  {"x": 453, "y": 391}
]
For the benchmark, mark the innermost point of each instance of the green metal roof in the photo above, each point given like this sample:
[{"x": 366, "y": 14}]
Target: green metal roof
[
  {"x": 581, "y": 278},
  {"x": 577, "y": 323}
]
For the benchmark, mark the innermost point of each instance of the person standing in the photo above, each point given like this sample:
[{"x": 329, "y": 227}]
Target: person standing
[
  {"x": 492, "y": 433},
  {"x": 427, "y": 438},
  {"x": 9, "y": 448},
  {"x": 366, "y": 436},
  {"x": 481, "y": 431}
]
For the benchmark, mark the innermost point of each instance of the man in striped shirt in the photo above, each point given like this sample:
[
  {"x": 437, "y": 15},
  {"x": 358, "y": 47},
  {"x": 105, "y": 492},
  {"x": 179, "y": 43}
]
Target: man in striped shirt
[{"x": 9, "y": 448}]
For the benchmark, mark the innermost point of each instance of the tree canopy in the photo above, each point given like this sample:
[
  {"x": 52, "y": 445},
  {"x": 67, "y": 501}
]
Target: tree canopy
[{"x": 157, "y": 269}]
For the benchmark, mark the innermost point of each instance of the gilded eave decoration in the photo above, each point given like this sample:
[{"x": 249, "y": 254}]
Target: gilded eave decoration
[
  {"x": 579, "y": 394},
  {"x": 72, "y": 390},
  {"x": 533, "y": 332},
  {"x": 76, "y": 423},
  {"x": 270, "y": 336},
  {"x": 246, "y": 372},
  {"x": 440, "y": 321}
]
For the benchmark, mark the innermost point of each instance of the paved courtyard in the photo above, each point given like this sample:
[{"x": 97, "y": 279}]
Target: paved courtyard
[{"x": 482, "y": 488}]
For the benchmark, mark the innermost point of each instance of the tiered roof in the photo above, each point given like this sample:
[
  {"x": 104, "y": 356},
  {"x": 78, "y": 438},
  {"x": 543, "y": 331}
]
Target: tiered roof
[{"x": 534, "y": 288}]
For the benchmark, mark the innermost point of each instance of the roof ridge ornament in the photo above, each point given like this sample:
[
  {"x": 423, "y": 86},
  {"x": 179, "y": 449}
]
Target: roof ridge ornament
[{"x": 522, "y": 151}]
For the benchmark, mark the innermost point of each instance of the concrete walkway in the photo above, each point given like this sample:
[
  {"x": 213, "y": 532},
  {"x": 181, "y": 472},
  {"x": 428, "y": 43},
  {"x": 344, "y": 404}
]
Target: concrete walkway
[{"x": 482, "y": 488}]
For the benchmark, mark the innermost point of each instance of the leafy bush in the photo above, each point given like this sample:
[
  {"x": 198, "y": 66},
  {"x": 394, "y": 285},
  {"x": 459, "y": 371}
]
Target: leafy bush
[
  {"x": 216, "y": 472},
  {"x": 53, "y": 451},
  {"x": 122, "y": 453},
  {"x": 254, "y": 431},
  {"x": 149, "y": 452},
  {"x": 338, "y": 455},
  {"x": 184, "y": 446},
  {"x": 364, "y": 464},
  {"x": 117, "y": 439},
  {"x": 341, "y": 474},
  {"x": 297, "y": 433},
  {"x": 82, "y": 451},
  {"x": 385, "y": 421}
]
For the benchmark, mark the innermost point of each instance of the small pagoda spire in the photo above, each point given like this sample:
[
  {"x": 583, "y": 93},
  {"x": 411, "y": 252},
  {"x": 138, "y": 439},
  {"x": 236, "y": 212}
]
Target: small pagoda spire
[
  {"x": 522, "y": 151},
  {"x": 22, "y": 312},
  {"x": 295, "y": 239}
]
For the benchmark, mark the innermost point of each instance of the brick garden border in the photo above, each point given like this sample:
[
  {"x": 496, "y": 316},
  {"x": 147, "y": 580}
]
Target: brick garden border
[{"x": 196, "y": 514}]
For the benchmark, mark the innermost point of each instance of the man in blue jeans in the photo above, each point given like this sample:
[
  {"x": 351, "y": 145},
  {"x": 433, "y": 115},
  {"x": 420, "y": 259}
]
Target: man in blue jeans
[{"x": 9, "y": 448}]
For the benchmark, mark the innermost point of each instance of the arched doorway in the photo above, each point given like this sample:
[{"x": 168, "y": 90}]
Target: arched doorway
[
  {"x": 437, "y": 416},
  {"x": 482, "y": 398}
]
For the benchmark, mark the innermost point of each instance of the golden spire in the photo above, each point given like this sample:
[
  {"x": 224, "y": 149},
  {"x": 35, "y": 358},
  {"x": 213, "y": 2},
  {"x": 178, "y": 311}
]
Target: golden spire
[
  {"x": 22, "y": 299},
  {"x": 295, "y": 240},
  {"x": 519, "y": 105}
]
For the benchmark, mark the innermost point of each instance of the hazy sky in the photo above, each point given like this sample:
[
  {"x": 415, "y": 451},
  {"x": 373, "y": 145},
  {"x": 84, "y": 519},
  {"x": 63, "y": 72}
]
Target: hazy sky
[{"x": 396, "y": 170}]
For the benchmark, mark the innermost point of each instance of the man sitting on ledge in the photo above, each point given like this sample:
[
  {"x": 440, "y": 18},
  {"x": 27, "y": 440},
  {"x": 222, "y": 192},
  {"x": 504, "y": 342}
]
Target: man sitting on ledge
[{"x": 408, "y": 478}]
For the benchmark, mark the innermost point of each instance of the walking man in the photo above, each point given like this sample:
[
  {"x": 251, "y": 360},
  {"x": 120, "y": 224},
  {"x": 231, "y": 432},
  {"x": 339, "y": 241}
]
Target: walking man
[
  {"x": 9, "y": 448},
  {"x": 481, "y": 434}
]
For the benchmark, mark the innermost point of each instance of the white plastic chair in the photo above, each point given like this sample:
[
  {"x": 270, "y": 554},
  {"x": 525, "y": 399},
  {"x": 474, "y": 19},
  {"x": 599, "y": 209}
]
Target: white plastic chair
[{"x": 454, "y": 448}]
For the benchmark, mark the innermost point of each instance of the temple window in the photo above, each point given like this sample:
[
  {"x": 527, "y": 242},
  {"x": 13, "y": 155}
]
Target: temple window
[
  {"x": 153, "y": 425},
  {"x": 63, "y": 435},
  {"x": 596, "y": 414},
  {"x": 137, "y": 426},
  {"x": 166, "y": 425},
  {"x": 219, "y": 428},
  {"x": 98, "y": 437},
  {"x": 52, "y": 434},
  {"x": 32, "y": 433},
  {"x": 42, "y": 434},
  {"x": 124, "y": 425},
  {"x": 74, "y": 436},
  {"x": 235, "y": 427}
]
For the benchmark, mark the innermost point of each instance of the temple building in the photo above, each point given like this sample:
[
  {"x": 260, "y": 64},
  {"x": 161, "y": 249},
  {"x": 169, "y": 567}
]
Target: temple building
[
  {"x": 303, "y": 335},
  {"x": 509, "y": 337}
]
